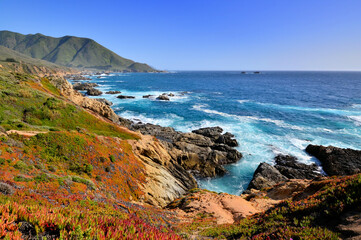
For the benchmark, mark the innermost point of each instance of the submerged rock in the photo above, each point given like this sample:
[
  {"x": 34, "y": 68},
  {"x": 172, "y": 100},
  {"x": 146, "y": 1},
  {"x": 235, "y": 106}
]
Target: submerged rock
[
  {"x": 113, "y": 92},
  {"x": 125, "y": 97},
  {"x": 163, "y": 98},
  {"x": 148, "y": 96},
  {"x": 337, "y": 161}
]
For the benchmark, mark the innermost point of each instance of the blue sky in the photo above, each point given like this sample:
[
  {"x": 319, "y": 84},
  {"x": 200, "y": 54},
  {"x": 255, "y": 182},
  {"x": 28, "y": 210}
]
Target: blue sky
[{"x": 205, "y": 34}]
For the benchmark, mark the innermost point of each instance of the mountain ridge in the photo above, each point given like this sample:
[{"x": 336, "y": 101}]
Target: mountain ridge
[{"x": 70, "y": 51}]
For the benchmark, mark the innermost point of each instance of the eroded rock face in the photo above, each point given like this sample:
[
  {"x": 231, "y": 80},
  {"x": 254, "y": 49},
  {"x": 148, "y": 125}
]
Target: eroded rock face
[
  {"x": 167, "y": 180},
  {"x": 292, "y": 169},
  {"x": 337, "y": 161},
  {"x": 286, "y": 167},
  {"x": 200, "y": 151}
]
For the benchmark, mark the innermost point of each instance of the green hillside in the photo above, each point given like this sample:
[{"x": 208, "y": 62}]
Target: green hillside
[{"x": 70, "y": 51}]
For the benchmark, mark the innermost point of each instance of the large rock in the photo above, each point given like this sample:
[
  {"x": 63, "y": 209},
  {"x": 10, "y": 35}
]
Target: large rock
[
  {"x": 163, "y": 97},
  {"x": 113, "y": 92},
  {"x": 292, "y": 169},
  {"x": 103, "y": 100},
  {"x": 84, "y": 86},
  {"x": 337, "y": 161},
  {"x": 286, "y": 167},
  {"x": 94, "y": 92},
  {"x": 198, "y": 151},
  {"x": 265, "y": 176}
]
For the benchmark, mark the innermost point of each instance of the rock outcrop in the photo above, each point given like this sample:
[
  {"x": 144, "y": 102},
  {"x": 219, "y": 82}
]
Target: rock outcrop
[
  {"x": 286, "y": 167},
  {"x": 337, "y": 161},
  {"x": 103, "y": 100},
  {"x": 113, "y": 92},
  {"x": 84, "y": 86},
  {"x": 163, "y": 97},
  {"x": 94, "y": 92},
  {"x": 197, "y": 152},
  {"x": 167, "y": 180},
  {"x": 93, "y": 105}
]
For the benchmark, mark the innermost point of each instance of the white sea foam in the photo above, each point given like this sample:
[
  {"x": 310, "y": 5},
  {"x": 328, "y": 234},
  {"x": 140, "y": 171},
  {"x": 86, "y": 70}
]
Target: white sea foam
[
  {"x": 356, "y": 119},
  {"x": 167, "y": 121},
  {"x": 242, "y": 101},
  {"x": 280, "y": 123}
]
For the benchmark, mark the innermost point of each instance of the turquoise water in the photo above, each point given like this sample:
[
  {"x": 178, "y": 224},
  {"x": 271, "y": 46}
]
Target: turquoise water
[{"x": 269, "y": 113}]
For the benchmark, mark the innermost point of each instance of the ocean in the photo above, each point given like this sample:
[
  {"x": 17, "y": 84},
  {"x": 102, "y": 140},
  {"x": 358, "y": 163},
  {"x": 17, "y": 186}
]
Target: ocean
[{"x": 269, "y": 113}]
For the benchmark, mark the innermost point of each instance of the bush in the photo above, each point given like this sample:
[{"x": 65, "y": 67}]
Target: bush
[
  {"x": 2, "y": 161},
  {"x": 87, "y": 182},
  {"x": 21, "y": 178},
  {"x": 112, "y": 158},
  {"x": 42, "y": 178},
  {"x": 20, "y": 165},
  {"x": 6, "y": 189}
]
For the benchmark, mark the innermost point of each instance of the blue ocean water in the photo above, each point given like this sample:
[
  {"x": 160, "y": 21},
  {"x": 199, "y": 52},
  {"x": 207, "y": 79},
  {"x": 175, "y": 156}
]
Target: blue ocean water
[{"x": 269, "y": 113}]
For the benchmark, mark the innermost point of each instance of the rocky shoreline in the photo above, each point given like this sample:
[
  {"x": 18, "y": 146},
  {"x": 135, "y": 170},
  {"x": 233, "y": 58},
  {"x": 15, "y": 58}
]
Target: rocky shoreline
[{"x": 204, "y": 152}]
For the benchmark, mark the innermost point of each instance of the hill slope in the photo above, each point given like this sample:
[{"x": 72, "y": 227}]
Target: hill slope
[{"x": 70, "y": 51}]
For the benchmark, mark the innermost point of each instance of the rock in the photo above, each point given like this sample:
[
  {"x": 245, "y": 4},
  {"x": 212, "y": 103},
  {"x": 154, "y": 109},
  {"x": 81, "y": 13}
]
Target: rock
[
  {"x": 227, "y": 139},
  {"x": 97, "y": 107},
  {"x": 113, "y": 92},
  {"x": 195, "y": 152},
  {"x": 147, "y": 96},
  {"x": 103, "y": 100},
  {"x": 27, "y": 230},
  {"x": 6, "y": 189},
  {"x": 171, "y": 95},
  {"x": 125, "y": 97},
  {"x": 166, "y": 179},
  {"x": 76, "y": 77},
  {"x": 337, "y": 161},
  {"x": 265, "y": 176},
  {"x": 350, "y": 224},
  {"x": 84, "y": 86},
  {"x": 94, "y": 92},
  {"x": 286, "y": 167},
  {"x": 163, "y": 98},
  {"x": 290, "y": 168},
  {"x": 211, "y": 132}
]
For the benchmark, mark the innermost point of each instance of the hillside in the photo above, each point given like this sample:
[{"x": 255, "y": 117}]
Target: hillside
[
  {"x": 68, "y": 170},
  {"x": 15, "y": 61},
  {"x": 83, "y": 53}
]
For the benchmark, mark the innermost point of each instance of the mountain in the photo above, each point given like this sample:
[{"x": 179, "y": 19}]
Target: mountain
[{"x": 70, "y": 51}]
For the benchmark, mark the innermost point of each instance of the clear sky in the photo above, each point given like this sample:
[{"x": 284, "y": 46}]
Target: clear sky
[{"x": 204, "y": 34}]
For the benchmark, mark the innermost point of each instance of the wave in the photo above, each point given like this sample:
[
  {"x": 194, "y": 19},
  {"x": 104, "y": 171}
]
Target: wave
[
  {"x": 342, "y": 112},
  {"x": 168, "y": 121},
  {"x": 280, "y": 123},
  {"x": 243, "y": 101},
  {"x": 356, "y": 120}
]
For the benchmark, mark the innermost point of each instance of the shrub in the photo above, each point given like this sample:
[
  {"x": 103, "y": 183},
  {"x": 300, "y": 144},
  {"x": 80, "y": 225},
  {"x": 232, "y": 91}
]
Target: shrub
[
  {"x": 2, "y": 161},
  {"x": 112, "y": 158},
  {"x": 87, "y": 182},
  {"x": 98, "y": 178},
  {"x": 20, "y": 165},
  {"x": 42, "y": 178},
  {"x": 21, "y": 178},
  {"x": 6, "y": 189},
  {"x": 107, "y": 169}
]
